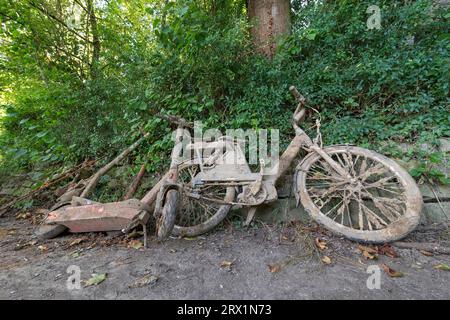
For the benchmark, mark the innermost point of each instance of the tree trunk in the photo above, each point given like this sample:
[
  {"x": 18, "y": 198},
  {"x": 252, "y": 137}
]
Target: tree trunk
[
  {"x": 95, "y": 39},
  {"x": 271, "y": 19}
]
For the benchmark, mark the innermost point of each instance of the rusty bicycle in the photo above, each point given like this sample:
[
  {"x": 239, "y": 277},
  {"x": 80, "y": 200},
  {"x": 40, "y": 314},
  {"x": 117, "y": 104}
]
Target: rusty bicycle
[{"x": 353, "y": 192}]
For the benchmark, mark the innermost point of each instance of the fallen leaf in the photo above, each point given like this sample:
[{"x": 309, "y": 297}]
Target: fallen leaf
[
  {"x": 144, "y": 281},
  {"x": 23, "y": 215},
  {"x": 367, "y": 249},
  {"x": 369, "y": 256},
  {"x": 135, "y": 244},
  {"x": 274, "y": 268},
  {"x": 391, "y": 272},
  {"x": 226, "y": 264},
  {"x": 41, "y": 211},
  {"x": 42, "y": 248},
  {"x": 321, "y": 244},
  {"x": 426, "y": 253},
  {"x": 76, "y": 242},
  {"x": 326, "y": 260},
  {"x": 96, "y": 279},
  {"x": 368, "y": 252},
  {"x": 442, "y": 267},
  {"x": 388, "y": 250}
]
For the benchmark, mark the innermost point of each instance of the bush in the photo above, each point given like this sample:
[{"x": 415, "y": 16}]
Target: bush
[{"x": 370, "y": 86}]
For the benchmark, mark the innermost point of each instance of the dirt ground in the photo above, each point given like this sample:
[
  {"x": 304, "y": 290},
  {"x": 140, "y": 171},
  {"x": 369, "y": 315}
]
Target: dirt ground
[{"x": 263, "y": 263}]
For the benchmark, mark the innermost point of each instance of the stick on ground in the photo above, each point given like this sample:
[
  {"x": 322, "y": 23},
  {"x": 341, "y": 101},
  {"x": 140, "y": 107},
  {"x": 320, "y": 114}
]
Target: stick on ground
[
  {"x": 46, "y": 185},
  {"x": 93, "y": 181},
  {"x": 135, "y": 183}
]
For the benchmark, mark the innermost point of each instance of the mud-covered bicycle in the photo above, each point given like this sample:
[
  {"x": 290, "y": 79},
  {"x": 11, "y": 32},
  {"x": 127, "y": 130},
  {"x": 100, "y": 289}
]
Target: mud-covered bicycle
[{"x": 354, "y": 192}]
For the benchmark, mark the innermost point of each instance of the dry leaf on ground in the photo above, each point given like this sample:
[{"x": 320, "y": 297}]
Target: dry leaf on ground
[
  {"x": 426, "y": 253},
  {"x": 321, "y": 244},
  {"x": 23, "y": 215},
  {"x": 326, "y": 260},
  {"x": 226, "y": 264},
  {"x": 274, "y": 268},
  {"x": 391, "y": 272},
  {"x": 369, "y": 256},
  {"x": 41, "y": 211},
  {"x": 368, "y": 252},
  {"x": 76, "y": 242},
  {"x": 135, "y": 244},
  {"x": 144, "y": 281},
  {"x": 367, "y": 249},
  {"x": 388, "y": 250}
]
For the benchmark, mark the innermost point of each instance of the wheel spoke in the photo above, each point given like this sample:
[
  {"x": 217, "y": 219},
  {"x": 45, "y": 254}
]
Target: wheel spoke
[
  {"x": 199, "y": 203},
  {"x": 330, "y": 211},
  {"x": 374, "y": 218},
  {"x": 374, "y": 199}
]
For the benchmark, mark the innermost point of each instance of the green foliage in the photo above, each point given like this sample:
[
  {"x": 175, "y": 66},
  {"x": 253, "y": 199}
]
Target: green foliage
[
  {"x": 195, "y": 59},
  {"x": 430, "y": 167},
  {"x": 375, "y": 85}
]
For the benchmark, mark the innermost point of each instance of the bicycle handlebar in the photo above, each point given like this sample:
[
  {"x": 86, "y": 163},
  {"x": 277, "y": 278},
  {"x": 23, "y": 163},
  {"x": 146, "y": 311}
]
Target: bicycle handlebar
[{"x": 298, "y": 97}]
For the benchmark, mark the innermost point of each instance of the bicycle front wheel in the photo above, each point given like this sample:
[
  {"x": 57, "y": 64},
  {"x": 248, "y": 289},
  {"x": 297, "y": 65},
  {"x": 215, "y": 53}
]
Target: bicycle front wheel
[
  {"x": 380, "y": 203},
  {"x": 166, "y": 221}
]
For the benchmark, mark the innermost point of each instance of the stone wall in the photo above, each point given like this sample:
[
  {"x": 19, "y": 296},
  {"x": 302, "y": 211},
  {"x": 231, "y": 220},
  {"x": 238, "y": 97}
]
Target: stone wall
[
  {"x": 436, "y": 199},
  {"x": 434, "y": 211}
]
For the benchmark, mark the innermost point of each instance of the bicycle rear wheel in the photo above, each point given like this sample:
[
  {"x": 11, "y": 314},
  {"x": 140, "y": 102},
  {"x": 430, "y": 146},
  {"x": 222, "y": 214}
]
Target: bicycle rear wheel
[
  {"x": 381, "y": 203},
  {"x": 202, "y": 207}
]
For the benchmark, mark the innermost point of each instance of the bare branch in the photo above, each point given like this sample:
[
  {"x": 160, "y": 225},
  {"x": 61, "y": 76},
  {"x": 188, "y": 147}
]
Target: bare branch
[{"x": 59, "y": 21}]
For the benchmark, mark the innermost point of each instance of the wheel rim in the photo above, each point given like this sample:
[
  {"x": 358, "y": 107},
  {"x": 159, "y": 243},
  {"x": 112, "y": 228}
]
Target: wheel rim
[
  {"x": 382, "y": 202},
  {"x": 199, "y": 204}
]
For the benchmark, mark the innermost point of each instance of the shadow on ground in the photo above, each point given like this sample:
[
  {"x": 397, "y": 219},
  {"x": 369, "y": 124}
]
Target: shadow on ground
[{"x": 226, "y": 264}]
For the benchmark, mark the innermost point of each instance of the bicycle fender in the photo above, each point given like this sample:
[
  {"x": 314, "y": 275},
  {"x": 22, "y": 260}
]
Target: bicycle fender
[{"x": 160, "y": 199}]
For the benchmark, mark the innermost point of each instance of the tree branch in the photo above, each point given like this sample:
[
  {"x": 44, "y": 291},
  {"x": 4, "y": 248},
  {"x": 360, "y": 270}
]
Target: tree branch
[{"x": 59, "y": 21}]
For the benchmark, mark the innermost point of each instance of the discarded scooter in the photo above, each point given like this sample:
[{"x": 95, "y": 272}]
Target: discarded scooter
[{"x": 75, "y": 213}]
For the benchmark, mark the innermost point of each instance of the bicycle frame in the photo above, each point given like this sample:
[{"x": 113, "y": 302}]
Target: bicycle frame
[
  {"x": 230, "y": 168},
  {"x": 225, "y": 167}
]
